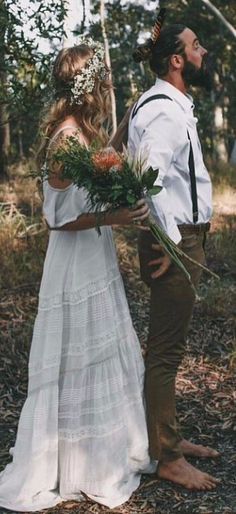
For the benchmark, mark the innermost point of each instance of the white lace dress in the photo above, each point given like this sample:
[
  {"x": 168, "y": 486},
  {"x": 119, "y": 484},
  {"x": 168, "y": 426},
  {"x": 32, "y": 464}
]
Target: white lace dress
[{"x": 82, "y": 427}]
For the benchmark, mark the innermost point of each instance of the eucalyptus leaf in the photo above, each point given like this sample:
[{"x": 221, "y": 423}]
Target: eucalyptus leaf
[
  {"x": 154, "y": 190},
  {"x": 131, "y": 199},
  {"x": 149, "y": 178}
]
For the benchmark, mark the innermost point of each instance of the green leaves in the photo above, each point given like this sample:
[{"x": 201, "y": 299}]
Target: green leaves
[
  {"x": 131, "y": 199},
  {"x": 148, "y": 178},
  {"x": 154, "y": 190}
]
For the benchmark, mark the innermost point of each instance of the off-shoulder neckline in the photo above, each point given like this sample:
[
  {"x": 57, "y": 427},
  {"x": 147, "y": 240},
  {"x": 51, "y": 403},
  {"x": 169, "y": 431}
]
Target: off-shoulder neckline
[{"x": 57, "y": 189}]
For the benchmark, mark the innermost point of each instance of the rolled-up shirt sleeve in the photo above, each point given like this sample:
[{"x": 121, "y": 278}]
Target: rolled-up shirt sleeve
[{"x": 158, "y": 142}]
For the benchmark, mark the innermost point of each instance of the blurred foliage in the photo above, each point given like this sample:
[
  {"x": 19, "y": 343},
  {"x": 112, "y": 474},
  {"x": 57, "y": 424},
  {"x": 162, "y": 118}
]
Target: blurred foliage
[
  {"x": 128, "y": 22},
  {"x": 125, "y": 23},
  {"x": 25, "y": 69}
]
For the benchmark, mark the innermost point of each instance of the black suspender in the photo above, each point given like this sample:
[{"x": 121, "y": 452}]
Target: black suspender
[
  {"x": 191, "y": 166},
  {"x": 153, "y": 97},
  {"x": 190, "y": 159}
]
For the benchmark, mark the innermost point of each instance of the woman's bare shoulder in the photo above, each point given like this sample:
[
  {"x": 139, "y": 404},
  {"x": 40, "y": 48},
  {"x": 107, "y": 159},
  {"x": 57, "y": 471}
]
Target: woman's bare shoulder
[{"x": 58, "y": 140}]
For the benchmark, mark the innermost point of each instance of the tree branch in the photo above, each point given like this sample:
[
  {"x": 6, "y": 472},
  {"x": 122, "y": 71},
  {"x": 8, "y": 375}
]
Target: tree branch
[
  {"x": 108, "y": 62},
  {"x": 84, "y": 17},
  {"x": 220, "y": 16}
]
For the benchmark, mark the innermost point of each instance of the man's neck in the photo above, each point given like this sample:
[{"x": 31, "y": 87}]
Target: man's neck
[{"x": 176, "y": 81}]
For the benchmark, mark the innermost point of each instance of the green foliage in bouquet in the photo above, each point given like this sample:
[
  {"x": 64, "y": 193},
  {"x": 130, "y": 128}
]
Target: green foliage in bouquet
[{"x": 110, "y": 180}]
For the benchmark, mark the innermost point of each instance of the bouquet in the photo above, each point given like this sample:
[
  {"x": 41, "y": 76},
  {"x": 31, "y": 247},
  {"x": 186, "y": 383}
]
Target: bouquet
[{"x": 114, "y": 180}]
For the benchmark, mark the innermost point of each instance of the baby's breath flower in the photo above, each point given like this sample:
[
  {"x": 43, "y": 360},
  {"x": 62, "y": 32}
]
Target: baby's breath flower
[{"x": 84, "y": 81}]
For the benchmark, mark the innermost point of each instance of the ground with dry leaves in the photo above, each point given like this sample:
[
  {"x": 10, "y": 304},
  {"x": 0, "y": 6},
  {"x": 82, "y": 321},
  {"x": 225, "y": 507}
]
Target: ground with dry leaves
[{"x": 206, "y": 384}]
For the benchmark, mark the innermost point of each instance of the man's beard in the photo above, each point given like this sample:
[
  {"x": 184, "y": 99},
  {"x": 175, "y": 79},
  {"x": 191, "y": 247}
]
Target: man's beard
[{"x": 199, "y": 77}]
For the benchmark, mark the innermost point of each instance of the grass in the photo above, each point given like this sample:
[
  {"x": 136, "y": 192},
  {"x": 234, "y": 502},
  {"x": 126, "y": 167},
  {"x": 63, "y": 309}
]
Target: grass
[
  {"x": 23, "y": 235},
  {"x": 222, "y": 174},
  {"x": 219, "y": 299}
]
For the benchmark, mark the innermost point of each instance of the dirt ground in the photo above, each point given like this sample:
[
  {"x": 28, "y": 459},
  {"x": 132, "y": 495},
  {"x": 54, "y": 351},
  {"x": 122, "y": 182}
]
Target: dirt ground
[{"x": 206, "y": 391}]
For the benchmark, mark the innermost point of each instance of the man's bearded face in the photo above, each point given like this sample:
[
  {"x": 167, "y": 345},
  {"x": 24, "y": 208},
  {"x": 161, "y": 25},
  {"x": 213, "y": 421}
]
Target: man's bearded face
[{"x": 199, "y": 77}]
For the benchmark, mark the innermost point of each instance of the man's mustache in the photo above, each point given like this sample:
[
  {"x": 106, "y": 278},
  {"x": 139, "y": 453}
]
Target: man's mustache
[{"x": 208, "y": 64}]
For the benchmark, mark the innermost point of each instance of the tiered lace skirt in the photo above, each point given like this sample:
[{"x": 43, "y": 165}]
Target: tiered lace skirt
[{"x": 82, "y": 428}]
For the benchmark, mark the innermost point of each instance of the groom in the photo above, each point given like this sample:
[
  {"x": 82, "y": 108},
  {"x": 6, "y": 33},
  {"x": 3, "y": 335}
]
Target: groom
[{"x": 163, "y": 127}]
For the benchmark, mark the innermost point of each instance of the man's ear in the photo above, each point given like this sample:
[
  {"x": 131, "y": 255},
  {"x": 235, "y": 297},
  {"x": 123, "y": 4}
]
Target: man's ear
[{"x": 176, "y": 61}]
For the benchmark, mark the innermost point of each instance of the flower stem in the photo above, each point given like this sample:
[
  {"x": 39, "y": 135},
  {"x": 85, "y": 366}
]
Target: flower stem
[{"x": 175, "y": 252}]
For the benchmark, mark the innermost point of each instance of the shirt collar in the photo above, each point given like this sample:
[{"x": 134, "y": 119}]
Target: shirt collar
[{"x": 185, "y": 101}]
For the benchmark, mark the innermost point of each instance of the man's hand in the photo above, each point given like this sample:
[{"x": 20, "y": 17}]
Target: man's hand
[{"x": 163, "y": 262}]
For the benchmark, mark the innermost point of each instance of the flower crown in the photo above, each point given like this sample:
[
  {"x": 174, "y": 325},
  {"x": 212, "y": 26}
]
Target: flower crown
[{"x": 84, "y": 81}]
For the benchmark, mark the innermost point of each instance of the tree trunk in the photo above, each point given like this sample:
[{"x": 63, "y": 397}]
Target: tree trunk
[
  {"x": 4, "y": 123},
  {"x": 220, "y": 150},
  {"x": 219, "y": 129},
  {"x": 21, "y": 148},
  {"x": 108, "y": 62},
  {"x": 4, "y": 142}
]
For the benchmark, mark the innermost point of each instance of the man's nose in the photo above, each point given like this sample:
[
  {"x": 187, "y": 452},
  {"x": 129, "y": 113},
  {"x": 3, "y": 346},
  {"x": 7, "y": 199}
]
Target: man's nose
[{"x": 204, "y": 51}]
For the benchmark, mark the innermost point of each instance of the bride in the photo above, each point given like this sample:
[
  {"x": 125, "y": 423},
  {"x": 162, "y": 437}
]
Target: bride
[{"x": 82, "y": 429}]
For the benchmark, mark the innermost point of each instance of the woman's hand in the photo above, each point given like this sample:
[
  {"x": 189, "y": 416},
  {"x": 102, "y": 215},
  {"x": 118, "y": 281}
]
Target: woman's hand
[{"x": 126, "y": 216}]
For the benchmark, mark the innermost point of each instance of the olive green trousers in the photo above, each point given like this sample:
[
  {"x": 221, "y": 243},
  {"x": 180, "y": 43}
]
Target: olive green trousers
[{"x": 171, "y": 305}]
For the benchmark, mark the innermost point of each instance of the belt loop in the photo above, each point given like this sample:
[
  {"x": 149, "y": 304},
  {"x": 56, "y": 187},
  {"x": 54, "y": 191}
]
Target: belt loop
[{"x": 199, "y": 228}]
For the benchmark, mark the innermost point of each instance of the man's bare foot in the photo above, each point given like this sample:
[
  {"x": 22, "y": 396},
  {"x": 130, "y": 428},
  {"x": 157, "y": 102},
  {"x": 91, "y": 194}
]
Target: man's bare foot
[
  {"x": 197, "y": 450},
  {"x": 183, "y": 473}
]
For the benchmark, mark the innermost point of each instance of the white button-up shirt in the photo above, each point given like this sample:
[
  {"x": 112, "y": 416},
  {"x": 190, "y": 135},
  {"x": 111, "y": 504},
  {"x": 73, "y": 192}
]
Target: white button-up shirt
[{"x": 159, "y": 131}]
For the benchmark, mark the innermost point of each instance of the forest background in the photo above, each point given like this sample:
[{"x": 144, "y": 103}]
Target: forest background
[
  {"x": 25, "y": 70},
  {"x": 26, "y": 58}
]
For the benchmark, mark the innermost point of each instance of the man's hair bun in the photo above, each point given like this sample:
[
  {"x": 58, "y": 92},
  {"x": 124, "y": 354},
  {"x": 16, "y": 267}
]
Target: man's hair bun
[{"x": 143, "y": 52}]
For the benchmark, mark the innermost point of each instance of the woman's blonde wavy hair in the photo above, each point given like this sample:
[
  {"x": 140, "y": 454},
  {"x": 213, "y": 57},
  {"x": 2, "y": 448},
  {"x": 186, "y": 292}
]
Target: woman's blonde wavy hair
[{"x": 91, "y": 115}]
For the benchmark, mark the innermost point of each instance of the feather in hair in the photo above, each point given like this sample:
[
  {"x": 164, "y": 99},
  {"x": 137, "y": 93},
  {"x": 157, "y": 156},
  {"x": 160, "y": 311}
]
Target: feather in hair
[{"x": 158, "y": 25}]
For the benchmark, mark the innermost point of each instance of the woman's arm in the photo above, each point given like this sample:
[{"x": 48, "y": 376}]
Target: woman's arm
[{"x": 123, "y": 216}]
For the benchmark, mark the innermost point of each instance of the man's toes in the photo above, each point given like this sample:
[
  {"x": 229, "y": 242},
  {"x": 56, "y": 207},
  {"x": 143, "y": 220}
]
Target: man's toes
[
  {"x": 211, "y": 452},
  {"x": 207, "y": 485},
  {"x": 214, "y": 453},
  {"x": 212, "y": 480},
  {"x": 202, "y": 486},
  {"x": 208, "y": 449},
  {"x": 211, "y": 483}
]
